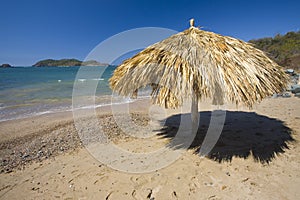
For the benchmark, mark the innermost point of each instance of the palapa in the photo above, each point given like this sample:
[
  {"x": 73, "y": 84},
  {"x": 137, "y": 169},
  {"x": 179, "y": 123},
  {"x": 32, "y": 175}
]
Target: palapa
[{"x": 199, "y": 64}]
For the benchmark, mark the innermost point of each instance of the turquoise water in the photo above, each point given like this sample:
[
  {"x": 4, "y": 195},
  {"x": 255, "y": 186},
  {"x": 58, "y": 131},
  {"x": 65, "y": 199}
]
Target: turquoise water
[{"x": 27, "y": 91}]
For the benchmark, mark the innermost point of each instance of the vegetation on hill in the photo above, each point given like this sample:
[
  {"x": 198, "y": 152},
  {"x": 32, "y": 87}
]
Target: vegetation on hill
[
  {"x": 62, "y": 62},
  {"x": 93, "y": 63},
  {"x": 67, "y": 62},
  {"x": 284, "y": 49}
]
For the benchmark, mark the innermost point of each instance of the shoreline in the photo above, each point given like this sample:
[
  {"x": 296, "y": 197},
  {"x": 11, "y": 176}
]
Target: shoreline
[
  {"x": 68, "y": 108},
  {"x": 27, "y": 139}
]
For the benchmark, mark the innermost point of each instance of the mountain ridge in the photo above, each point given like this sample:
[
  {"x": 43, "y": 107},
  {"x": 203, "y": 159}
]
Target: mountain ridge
[
  {"x": 283, "y": 49},
  {"x": 67, "y": 63}
]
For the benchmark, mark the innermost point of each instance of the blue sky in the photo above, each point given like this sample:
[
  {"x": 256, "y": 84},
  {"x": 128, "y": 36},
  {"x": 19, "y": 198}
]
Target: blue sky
[{"x": 32, "y": 30}]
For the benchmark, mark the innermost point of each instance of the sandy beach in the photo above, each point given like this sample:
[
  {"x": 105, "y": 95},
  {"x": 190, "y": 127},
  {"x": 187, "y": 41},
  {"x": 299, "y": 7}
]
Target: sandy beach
[{"x": 256, "y": 157}]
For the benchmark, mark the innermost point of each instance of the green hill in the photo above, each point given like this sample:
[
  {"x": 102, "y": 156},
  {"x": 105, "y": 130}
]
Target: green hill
[
  {"x": 284, "y": 49},
  {"x": 67, "y": 63}
]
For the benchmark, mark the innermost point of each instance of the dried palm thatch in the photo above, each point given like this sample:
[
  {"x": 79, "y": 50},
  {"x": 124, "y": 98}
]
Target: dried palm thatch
[{"x": 198, "y": 64}]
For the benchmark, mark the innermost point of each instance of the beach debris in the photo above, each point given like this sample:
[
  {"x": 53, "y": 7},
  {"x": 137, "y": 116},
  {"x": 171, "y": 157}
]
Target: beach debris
[
  {"x": 174, "y": 195},
  {"x": 107, "y": 197},
  {"x": 212, "y": 196},
  {"x": 5, "y": 187},
  {"x": 223, "y": 187},
  {"x": 245, "y": 179},
  {"x": 295, "y": 88},
  {"x": 290, "y": 71},
  {"x": 208, "y": 184},
  {"x": 253, "y": 183},
  {"x": 286, "y": 95},
  {"x": 133, "y": 194},
  {"x": 35, "y": 188},
  {"x": 149, "y": 196},
  {"x": 283, "y": 95}
]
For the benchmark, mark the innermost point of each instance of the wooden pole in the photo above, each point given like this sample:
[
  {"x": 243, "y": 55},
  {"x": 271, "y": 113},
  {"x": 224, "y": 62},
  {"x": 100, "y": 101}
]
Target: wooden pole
[{"x": 194, "y": 113}]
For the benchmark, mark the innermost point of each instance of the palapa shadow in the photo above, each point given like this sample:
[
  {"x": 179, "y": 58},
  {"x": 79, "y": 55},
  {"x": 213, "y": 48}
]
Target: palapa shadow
[{"x": 244, "y": 134}]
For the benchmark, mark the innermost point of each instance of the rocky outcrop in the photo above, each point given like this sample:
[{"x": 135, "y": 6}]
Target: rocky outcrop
[{"x": 5, "y": 65}]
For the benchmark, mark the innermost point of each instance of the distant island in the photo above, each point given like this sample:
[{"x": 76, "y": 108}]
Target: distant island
[
  {"x": 5, "y": 66},
  {"x": 67, "y": 63}
]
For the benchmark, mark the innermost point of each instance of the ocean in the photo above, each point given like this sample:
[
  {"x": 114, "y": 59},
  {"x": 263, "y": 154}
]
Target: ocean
[{"x": 29, "y": 91}]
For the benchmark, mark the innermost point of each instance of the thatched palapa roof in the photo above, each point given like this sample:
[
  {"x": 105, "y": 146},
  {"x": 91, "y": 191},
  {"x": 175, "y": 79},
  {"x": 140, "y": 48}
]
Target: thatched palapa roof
[{"x": 204, "y": 63}]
